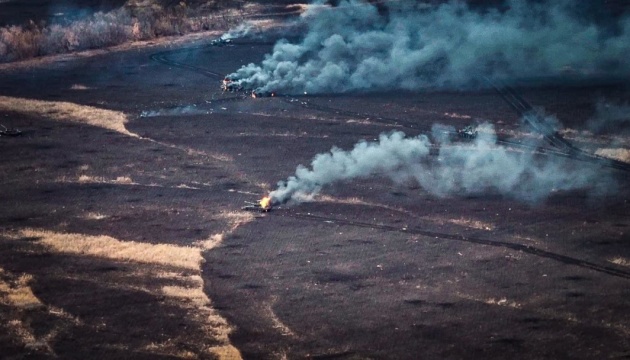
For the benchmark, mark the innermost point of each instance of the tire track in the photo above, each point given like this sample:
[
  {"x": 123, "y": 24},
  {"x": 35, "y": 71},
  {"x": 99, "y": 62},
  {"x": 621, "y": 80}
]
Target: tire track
[{"x": 474, "y": 240}]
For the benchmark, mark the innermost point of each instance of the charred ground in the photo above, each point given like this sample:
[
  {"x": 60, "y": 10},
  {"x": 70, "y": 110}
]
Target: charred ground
[{"x": 369, "y": 270}]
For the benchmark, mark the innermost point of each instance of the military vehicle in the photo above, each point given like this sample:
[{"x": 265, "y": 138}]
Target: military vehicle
[
  {"x": 469, "y": 132},
  {"x": 220, "y": 42}
]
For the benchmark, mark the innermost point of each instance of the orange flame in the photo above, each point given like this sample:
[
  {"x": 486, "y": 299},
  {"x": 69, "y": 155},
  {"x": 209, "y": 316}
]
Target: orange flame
[{"x": 265, "y": 203}]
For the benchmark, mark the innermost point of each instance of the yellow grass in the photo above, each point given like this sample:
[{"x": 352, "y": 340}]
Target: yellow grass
[
  {"x": 620, "y": 261},
  {"x": 475, "y": 224},
  {"x": 23, "y": 297},
  {"x": 184, "y": 290},
  {"x": 26, "y": 336},
  {"x": 210, "y": 243},
  {"x": 358, "y": 201},
  {"x": 620, "y": 154},
  {"x": 110, "y": 248},
  {"x": 79, "y": 87},
  {"x": 193, "y": 294},
  {"x": 17, "y": 292},
  {"x": 236, "y": 218},
  {"x": 68, "y": 112},
  {"x": 277, "y": 323},
  {"x": 95, "y": 216},
  {"x": 503, "y": 302},
  {"x": 227, "y": 352},
  {"x": 87, "y": 179},
  {"x": 471, "y": 223}
]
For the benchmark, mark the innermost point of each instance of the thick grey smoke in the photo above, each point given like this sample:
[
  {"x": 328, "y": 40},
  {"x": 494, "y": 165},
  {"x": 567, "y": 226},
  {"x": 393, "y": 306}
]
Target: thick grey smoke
[
  {"x": 481, "y": 166},
  {"x": 354, "y": 47}
]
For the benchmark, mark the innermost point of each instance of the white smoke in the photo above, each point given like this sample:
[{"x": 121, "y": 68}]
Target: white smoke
[
  {"x": 354, "y": 47},
  {"x": 240, "y": 31},
  {"x": 479, "y": 167}
]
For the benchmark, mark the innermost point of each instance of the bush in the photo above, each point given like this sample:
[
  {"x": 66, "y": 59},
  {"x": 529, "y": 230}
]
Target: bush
[{"x": 105, "y": 29}]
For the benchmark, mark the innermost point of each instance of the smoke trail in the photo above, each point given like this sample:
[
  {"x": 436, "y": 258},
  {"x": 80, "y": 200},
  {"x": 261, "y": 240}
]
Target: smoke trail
[
  {"x": 355, "y": 47},
  {"x": 459, "y": 169}
]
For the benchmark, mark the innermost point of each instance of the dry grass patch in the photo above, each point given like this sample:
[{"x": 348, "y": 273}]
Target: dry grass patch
[
  {"x": 80, "y": 87},
  {"x": 620, "y": 154},
  {"x": 123, "y": 180},
  {"x": 227, "y": 352},
  {"x": 95, "y": 216},
  {"x": 503, "y": 302},
  {"x": 15, "y": 291},
  {"x": 69, "y": 112},
  {"x": 110, "y": 248},
  {"x": 620, "y": 261},
  {"x": 87, "y": 179},
  {"x": 470, "y": 223},
  {"x": 475, "y": 224},
  {"x": 26, "y": 336},
  {"x": 210, "y": 243},
  {"x": 236, "y": 218},
  {"x": 185, "y": 289},
  {"x": 358, "y": 201},
  {"x": 193, "y": 294}
]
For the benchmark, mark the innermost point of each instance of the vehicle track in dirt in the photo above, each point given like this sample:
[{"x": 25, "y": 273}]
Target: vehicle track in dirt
[{"x": 461, "y": 238}]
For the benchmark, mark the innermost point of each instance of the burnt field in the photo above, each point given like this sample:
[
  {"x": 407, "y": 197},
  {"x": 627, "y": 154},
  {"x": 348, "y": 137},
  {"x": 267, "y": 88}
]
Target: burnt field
[{"x": 122, "y": 234}]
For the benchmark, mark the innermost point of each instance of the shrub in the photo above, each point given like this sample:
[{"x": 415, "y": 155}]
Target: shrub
[{"x": 105, "y": 29}]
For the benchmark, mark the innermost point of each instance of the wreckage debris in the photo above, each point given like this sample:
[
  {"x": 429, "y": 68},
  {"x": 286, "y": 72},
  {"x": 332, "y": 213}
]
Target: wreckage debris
[
  {"x": 4, "y": 131},
  {"x": 263, "y": 205},
  {"x": 260, "y": 94},
  {"x": 468, "y": 133},
  {"x": 220, "y": 42},
  {"x": 230, "y": 85}
]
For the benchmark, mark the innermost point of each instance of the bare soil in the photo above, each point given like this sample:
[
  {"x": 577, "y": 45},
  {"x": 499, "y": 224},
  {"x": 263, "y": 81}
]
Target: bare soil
[{"x": 370, "y": 270}]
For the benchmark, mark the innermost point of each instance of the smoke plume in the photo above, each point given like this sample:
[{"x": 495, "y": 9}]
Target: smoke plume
[
  {"x": 478, "y": 167},
  {"x": 356, "y": 47},
  {"x": 242, "y": 30}
]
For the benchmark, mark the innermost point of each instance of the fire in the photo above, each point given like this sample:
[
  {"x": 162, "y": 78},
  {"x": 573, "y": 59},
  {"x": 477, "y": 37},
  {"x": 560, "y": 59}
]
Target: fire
[{"x": 265, "y": 203}]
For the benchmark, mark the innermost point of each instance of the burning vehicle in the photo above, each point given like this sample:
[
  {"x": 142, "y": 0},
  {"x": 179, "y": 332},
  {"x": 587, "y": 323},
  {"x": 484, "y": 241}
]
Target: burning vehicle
[
  {"x": 263, "y": 205},
  {"x": 230, "y": 85},
  {"x": 261, "y": 93},
  {"x": 468, "y": 133}
]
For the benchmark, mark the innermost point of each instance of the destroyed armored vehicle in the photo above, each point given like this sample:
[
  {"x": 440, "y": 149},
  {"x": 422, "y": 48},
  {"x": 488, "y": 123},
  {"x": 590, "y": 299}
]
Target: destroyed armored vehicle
[
  {"x": 230, "y": 85},
  {"x": 261, "y": 93},
  {"x": 220, "y": 42},
  {"x": 4, "y": 131},
  {"x": 263, "y": 205},
  {"x": 469, "y": 132}
]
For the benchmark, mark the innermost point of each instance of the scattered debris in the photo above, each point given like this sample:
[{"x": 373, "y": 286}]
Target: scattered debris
[
  {"x": 220, "y": 42},
  {"x": 263, "y": 205},
  {"x": 228, "y": 84},
  {"x": 4, "y": 131},
  {"x": 262, "y": 93},
  {"x": 469, "y": 132}
]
